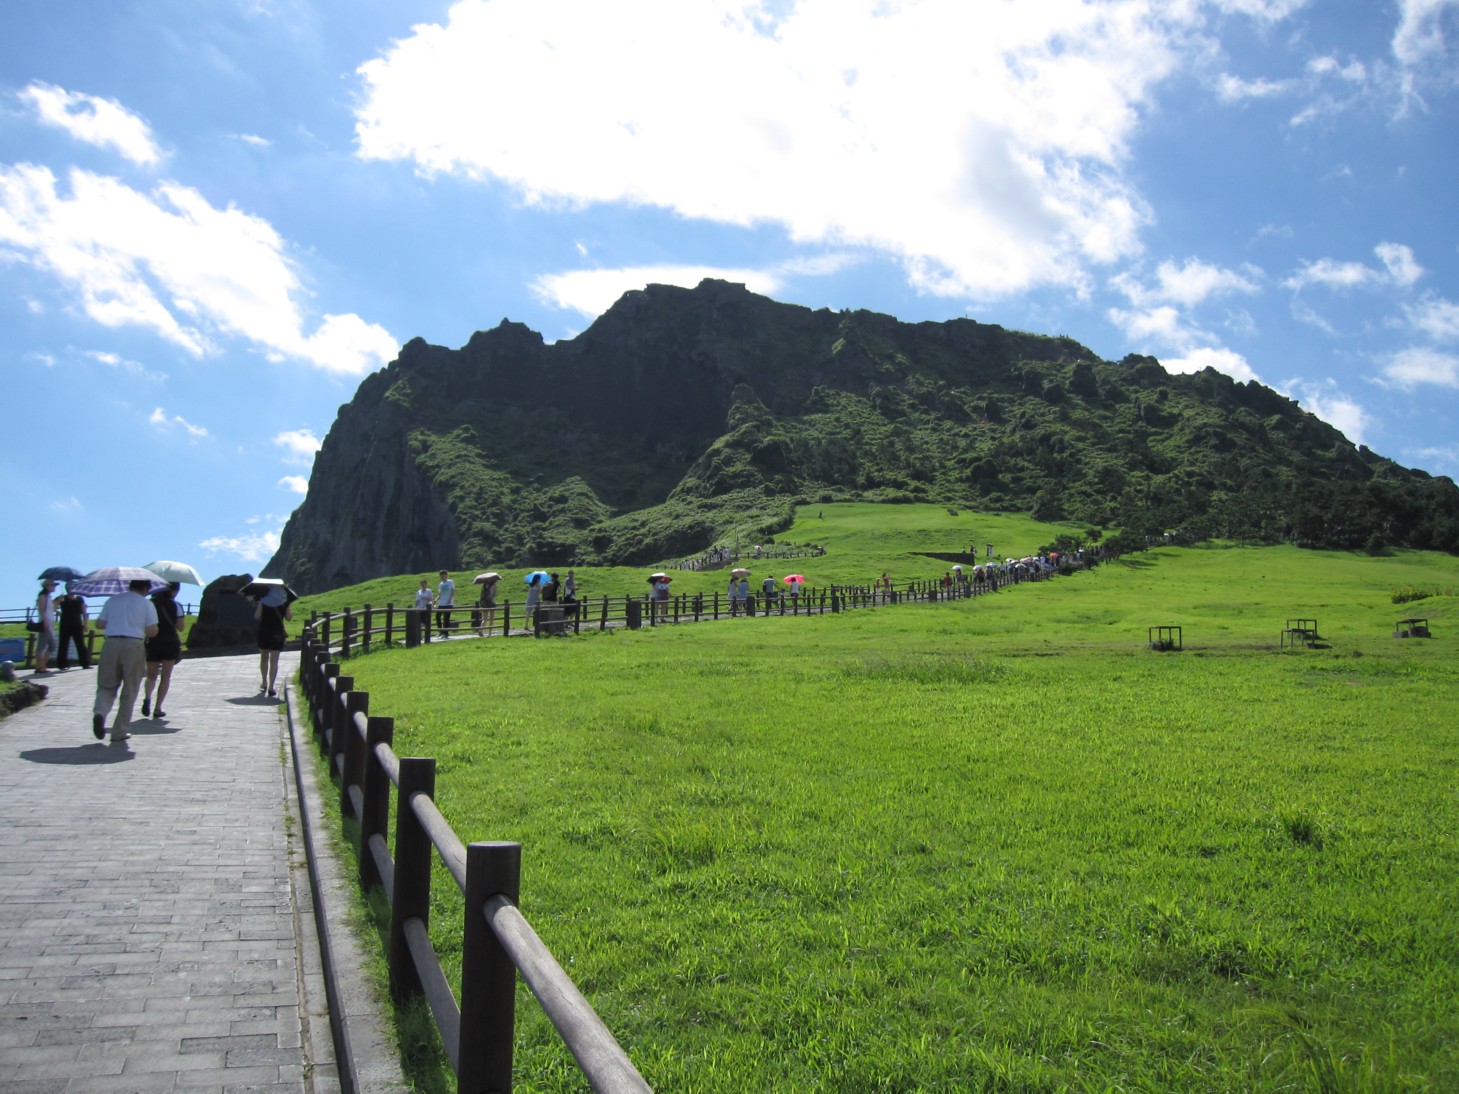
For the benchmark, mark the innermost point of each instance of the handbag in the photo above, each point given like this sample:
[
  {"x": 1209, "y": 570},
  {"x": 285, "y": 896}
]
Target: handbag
[{"x": 33, "y": 624}]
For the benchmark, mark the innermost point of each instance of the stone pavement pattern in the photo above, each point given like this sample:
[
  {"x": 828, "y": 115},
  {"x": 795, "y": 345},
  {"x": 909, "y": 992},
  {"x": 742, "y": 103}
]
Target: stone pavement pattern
[{"x": 155, "y": 924}]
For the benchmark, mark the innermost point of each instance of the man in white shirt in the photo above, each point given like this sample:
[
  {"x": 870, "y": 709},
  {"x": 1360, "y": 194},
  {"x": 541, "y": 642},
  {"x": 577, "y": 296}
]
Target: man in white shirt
[
  {"x": 128, "y": 619},
  {"x": 445, "y": 599}
]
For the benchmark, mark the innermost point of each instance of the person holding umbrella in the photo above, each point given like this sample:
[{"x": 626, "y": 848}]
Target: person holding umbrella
[
  {"x": 659, "y": 600},
  {"x": 129, "y": 619},
  {"x": 73, "y": 629},
  {"x": 164, "y": 649},
  {"x": 272, "y": 611},
  {"x": 486, "y": 601},
  {"x": 535, "y": 580}
]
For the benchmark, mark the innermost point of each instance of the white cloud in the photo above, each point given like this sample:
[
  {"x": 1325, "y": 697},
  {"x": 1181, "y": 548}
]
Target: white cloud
[
  {"x": 1436, "y": 317},
  {"x": 160, "y": 419},
  {"x": 1155, "y": 327},
  {"x": 1270, "y": 10},
  {"x": 102, "y": 122},
  {"x": 298, "y": 484},
  {"x": 1443, "y": 459},
  {"x": 134, "y": 368},
  {"x": 254, "y": 139},
  {"x": 170, "y": 262},
  {"x": 63, "y": 506},
  {"x": 1408, "y": 368},
  {"x": 1399, "y": 268},
  {"x": 979, "y": 144},
  {"x": 1218, "y": 358},
  {"x": 253, "y": 547},
  {"x": 1234, "y": 89},
  {"x": 1188, "y": 285},
  {"x": 1333, "y": 407},
  {"x": 1402, "y": 269},
  {"x": 1353, "y": 72},
  {"x": 592, "y": 292},
  {"x": 299, "y": 444},
  {"x": 1419, "y": 37},
  {"x": 1332, "y": 274}
]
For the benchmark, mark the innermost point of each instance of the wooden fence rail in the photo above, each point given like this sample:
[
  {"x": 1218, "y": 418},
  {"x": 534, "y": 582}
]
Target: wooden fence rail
[
  {"x": 497, "y": 941},
  {"x": 354, "y": 631}
]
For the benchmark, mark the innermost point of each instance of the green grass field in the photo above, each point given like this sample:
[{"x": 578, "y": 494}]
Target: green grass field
[{"x": 994, "y": 844}]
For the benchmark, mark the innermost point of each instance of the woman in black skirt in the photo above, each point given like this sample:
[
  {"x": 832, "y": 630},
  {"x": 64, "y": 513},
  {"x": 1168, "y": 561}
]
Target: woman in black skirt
[
  {"x": 271, "y": 638},
  {"x": 164, "y": 650}
]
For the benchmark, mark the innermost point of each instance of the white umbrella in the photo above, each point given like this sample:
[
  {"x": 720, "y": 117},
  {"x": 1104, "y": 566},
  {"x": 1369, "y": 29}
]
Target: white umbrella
[
  {"x": 272, "y": 591},
  {"x": 482, "y": 579},
  {"x": 179, "y": 572}
]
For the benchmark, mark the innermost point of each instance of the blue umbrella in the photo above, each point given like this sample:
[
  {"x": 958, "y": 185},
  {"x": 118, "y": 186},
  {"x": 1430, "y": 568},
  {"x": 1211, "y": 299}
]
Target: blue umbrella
[
  {"x": 110, "y": 580},
  {"x": 543, "y": 577}
]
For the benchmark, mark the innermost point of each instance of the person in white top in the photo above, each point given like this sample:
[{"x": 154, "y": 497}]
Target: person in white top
[
  {"x": 128, "y": 619},
  {"x": 445, "y": 600}
]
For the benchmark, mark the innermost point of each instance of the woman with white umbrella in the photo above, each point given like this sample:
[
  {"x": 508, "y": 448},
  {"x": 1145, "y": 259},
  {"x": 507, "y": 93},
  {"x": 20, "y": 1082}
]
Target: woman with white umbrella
[{"x": 486, "y": 602}]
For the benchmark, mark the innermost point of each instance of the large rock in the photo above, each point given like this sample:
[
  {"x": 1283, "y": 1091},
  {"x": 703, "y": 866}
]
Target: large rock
[{"x": 225, "y": 617}]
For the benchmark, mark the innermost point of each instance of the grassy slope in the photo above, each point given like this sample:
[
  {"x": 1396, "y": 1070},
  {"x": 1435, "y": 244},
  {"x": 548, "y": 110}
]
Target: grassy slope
[
  {"x": 862, "y": 540},
  {"x": 995, "y": 844}
]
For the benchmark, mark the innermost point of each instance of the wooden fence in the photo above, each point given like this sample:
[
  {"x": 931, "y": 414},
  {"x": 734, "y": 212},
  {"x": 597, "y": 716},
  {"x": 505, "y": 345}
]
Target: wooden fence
[
  {"x": 497, "y": 941},
  {"x": 355, "y": 631}
]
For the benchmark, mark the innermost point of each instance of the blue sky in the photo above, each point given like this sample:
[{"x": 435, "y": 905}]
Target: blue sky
[{"x": 216, "y": 218}]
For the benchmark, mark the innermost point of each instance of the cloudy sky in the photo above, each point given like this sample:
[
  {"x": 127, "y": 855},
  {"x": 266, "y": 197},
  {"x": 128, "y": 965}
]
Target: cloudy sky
[{"x": 216, "y": 218}]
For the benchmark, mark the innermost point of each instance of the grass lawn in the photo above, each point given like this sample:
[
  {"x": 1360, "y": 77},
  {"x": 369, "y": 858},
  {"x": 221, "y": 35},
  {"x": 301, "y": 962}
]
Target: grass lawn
[{"x": 994, "y": 844}]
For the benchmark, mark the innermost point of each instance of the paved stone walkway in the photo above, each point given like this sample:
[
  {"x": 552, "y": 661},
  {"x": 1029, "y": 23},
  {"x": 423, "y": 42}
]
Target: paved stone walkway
[{"x": 156, "y": 923}]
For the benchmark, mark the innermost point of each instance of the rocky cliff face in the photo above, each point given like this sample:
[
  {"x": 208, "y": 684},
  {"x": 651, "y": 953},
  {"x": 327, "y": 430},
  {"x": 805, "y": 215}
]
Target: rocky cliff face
[{"x": 681, "y": 415}]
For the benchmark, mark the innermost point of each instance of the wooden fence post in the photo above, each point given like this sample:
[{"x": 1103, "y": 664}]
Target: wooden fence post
[
  {"x": 411, "y": 898},
  {"x": 328, "y": 671},
  {"x": 488, "y": 976},
  {"x": 343, "y": 685},
  {"x": 365, "y": 638},
  {"x": 352, "y": 748},
  {"x": 375, "y": 818},
  {"x": 389, "y": 622}
]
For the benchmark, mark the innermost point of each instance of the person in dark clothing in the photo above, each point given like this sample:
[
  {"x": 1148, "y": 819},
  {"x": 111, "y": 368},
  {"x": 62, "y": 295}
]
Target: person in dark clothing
[
  {"x": 164, "y": 649},
  {"x": 272, "y": 611},
  {"x": 73, "y": 629}
]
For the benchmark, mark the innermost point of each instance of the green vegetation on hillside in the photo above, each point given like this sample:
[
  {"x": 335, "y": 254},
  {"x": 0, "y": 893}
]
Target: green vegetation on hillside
[
  {"x": 991, "y": 845},
  {"x": 685, "y": 417}
]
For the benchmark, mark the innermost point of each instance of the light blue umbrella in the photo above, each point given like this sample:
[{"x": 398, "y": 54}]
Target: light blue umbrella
[{"x": 542, "y": 575}]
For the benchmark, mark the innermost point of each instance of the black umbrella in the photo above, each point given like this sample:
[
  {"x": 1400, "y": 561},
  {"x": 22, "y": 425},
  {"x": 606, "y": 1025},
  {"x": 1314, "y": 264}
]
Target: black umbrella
[{"x": 61, "y": 573}]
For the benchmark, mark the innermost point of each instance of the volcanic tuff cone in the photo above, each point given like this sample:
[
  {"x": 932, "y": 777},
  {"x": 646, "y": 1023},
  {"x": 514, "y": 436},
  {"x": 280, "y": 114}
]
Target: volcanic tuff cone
[{"x": 683, "y": 416}]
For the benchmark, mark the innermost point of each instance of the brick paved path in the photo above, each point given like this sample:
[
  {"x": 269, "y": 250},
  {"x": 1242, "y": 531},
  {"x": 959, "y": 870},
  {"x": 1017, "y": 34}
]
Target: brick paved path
[{"x": 156, "y": 926}]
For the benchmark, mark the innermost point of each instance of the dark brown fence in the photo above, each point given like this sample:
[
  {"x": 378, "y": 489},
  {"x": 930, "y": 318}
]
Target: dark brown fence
[
  {"x": 356, "y": 631},
  {"x": 497, "y": 941}
]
